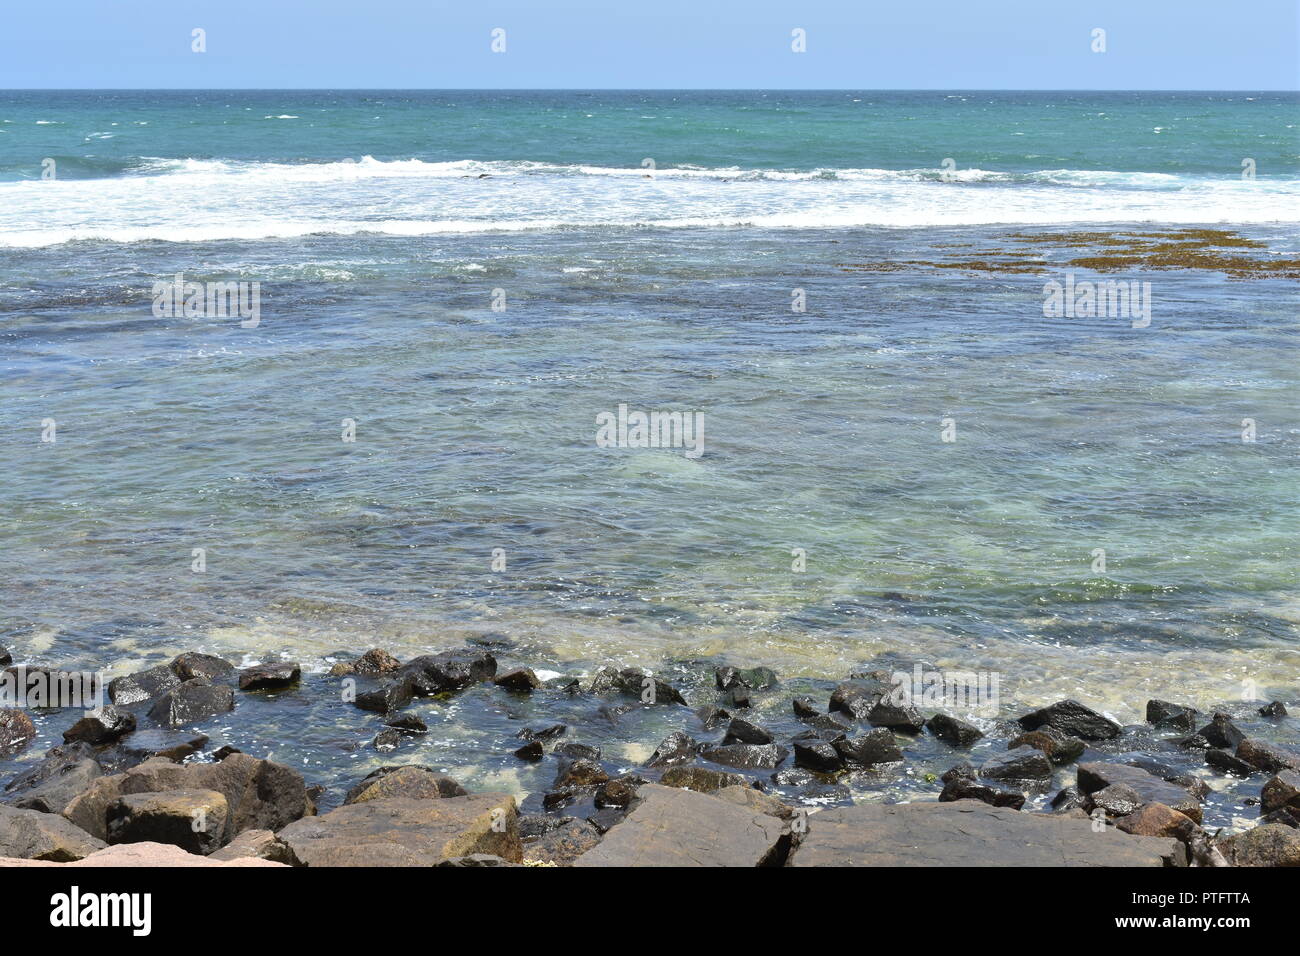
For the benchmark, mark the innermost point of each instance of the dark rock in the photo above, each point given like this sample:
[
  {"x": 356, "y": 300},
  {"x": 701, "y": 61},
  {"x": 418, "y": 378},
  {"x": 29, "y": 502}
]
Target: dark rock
[
  {"x": 969, "y": 833},
  {"x": 1286, "y": 816},
  {"x": 803, "y": 707},
  {"x": 405, "y": 832},
  {"x": 142, "y": 686},
  {"x": 605, "y": 819},
  {"x": 16, "y": 731},
  {"x": 619, "y": 792},
  {"x": 1275, "y": 709},
  {"x": 1098, "y": 775},
  {"x": 1117, "y": 800},
  {"x": 1161, "y": 713},
  {"x": 1266, "y": 845},
  {"x": 407, "y": 781},
  {"x": 372, "y": 663},
  {"x": 578, "y": 751},
  {"x": 521, "y": 680},
  {"x": 102, "y": 726},
  {"x": 673, "y": 827},
  {"x": 5, "y": 657},
  {"x": 196, "y": 699},
  {"x": 52, "y": 784},
  {"x": 544, "y": 733},
  {"x": 221, "y": 753},
  {"x": 1067, "y": 799},
  {"x": 746, "y": 756},
  {"x": 857, "y": 698},
  {"x": 1226, "y": 762},
  {"x": 562, "y": 845},
  {"x": 390, "y": 696},
  {"x": 194, "y": 820},
  {"x": 959, "y": 783},
  {"x": 754, "y": 678},
  {"x": 741, "y": 731},
  {"x": 190, "y": 665},
  {"x": 738, "y": 697},
  {"x": 1267, "y": 757},
  {"x": 1021, "y": 763},
  {"x": 1072, "y": 719},
  {"x": 905, "y": 718},
  {"x": 1283, "y": 790},
  {"x": 449, "y": 671},
  {"x": 837, "y": 723},
  {"x": 1059, "y": 748},
  {"x": 388, "y": 740},
  {"x": 710, "y": 716},
  {"x": 579, "y": 773},
  {"x": 531, "y": 751},
  {"x": 408, "y": 724},
  {"x": 32, "y": 835},
  {"x": 676, "y": 748},
  {"x": 701, "y": 779},
  {"x": 953, "y": 730},
  {"x": 634, "y": 682},
  {"x": 874, "y": 747},
  {"x": 821, "y": 756},
  {"x": 1221, "y": 732},
  {"x": 274, "y": 676}
]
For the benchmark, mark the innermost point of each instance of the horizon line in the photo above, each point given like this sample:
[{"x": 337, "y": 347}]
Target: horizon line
[{"x": 610, "y": 89}]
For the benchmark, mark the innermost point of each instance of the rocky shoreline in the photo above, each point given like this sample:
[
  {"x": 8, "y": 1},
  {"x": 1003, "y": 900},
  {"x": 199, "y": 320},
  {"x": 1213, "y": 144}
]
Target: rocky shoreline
[{"x": 137, "y": 783}]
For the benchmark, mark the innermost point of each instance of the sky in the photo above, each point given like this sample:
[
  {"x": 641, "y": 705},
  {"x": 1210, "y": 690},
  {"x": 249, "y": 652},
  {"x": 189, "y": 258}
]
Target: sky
[{"x": 658, "y": 44}]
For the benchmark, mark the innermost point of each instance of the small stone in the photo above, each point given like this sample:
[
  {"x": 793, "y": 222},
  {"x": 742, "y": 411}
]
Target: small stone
[
  {"x": 953, "y": 731},
  {"x": 521, "y": 680},
  {"x": 711, "y": 716},
  {"x": 1020, "y": 763},
  {"x": 275, "y": 676},
  {"x": 676, "y": 748},
  {"x": 1267, "y": 757},
  {"x": 142, "y": 686},
  {"x": 578, "y": 751},
  {"x": 897, "y": 717},
  {"x": 874, "y": 747},
  {"x": 1283, "y": 790},
  {"x": 102, "y": 726},
  {"x": 803, "y": 707},
  {"x": 743, "y": 732},
  {"x": 579, "y": 773},
  {"x": 1161, "y": 713},
  {"x": 1059, "y": 748},
  {"x": 373, "y": 662},
  {"x": 388, "y": 740},
  {"x": 16, "y": 731},
  {"x": 1275, "y": 709},
  {"x": 408, "y": 724},
  {"x": 1221, "y": 732},
  {"x": 542, "y": 733},
  {"x": 738, "y": 698},
  {"x": 531, "y": 751}
]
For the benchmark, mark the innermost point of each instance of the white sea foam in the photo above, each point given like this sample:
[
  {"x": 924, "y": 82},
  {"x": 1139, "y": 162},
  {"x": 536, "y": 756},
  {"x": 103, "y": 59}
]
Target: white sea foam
[{"x": 189, "y": 200}]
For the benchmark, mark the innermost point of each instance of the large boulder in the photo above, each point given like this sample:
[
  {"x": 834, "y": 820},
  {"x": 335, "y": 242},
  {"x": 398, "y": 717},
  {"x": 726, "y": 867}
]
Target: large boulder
[
  {"x": 1099, "y": 775},
  {"x": 196, "y": 699},
  {"x": 449, "y": 671},
  {"x": 1283, "y": 790},
  {"x": 953, "y": 730},
  {"x": 405, "y": 832},
  {"x": 260, "y": 794},
  {"x": 191, "y": 664},
  {"x": 1269, "y": 844},
  {"x": 1156, "y": 819},
  {"x": 276, "y": 675},
  {"x": 194, "y": 820},
  {"x": 1072, "y": 719},
  {"x": 32, "y": 835},
  {"x": 701, "y": 779},
  {"x": 969, "y": 833},
  {"x": 142, "y": 686},
  {"x": 50, "y": 785},
  {"x": 671, "y": 827},
  {"x": 1163, "y": 714},
  {"x": 411, "y": 781},
  {"x": 1267, "y": 757},
  {"x": 257, "y": 845},
  {"x": 1020, "y": 763},
  {"x": 145, "y": 855}
]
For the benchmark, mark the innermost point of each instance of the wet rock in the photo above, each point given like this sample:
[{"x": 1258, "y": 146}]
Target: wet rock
[
  {"x": 5, "y": 657},
  {"x": 407, "y": 724},
  {"x": 579, "y": 773},
  {"x": 1158, "y": 820},
  {"x": 820, "y": 756},
  {"x": 874, "y": 747},
  {"x": 1227, "y": 763},
  {"x": 1117, "y": 800},
  {"x": 635, "y": 682},
  {"x": 221, "y": 753},
  {"x": 406, "y": 832},
  {"x": 756, "y": 801},
  {"x": 387, "y": 740},
  {"x": 619, "y": 792},
  {"x": 372, "y": 663},
  {"x": 969, "y": 833},
  {"x": 531, "y": 751},
  {"x": 1098, "y": 775},
  {"x": 544, "y": 733},
  {"x": 194, "y": 820},
  {"x": 1266, "y": 845},
  {"x": 388, "y": 697},
  {"x": 449, "y": 671},
  {"x": 741, "y": 731},
  {"x": 102, "y": 726},
  {"x": 896, "y": 717},
  {"x": 32, "y": 835},
  {"x": 1020, "y": 763},
  {"x": 191, "y": 665},
  {"x": 1161, "y": 713},
  {"x": 833, "y": 724},
  {"x": 803, "y": 707},
  {"x": 739, "y": 697},
  {"x": 672, "y": 827},
  {"x": 578, "y": 751},
  {"x": 196, "y": 699},
  {"x": 16, "y": 731},
  {"x": 1221, "y": 732},
  {"x": 711, "y": 716},
  {"x": 260, "y": 794},
  {"x": 142, "y": 686},
  {"x": 562, "y": 845},
  {"x": 1059, "y": 748},
  {"x": 701, "y": 779},
  {"x": 1275, "y": 709},
  {"x": 50, "y": 785},
  {"x": 1067, "y": 799},
  {"x": 1267, "y": 757},
  {"x": 258, "y": 845},
  {"x": 1072, "y": 719},
  {"x": 273, "y": 676},
  {"x": 953, "y": 730},
  {"x": 857, "y": 698},
  {"x": 754, "y": 678},
  {"x": 959, "y": 783},
  {"x": 606, "y": 819},
  {"x": 521, "y": 680},
  {"x": 1286, "y": 816},
  {"x": 1283, "y": 790},
  {"x": 676, "y": 748},
  {"x": 408, "y": 781},
  {"x": 746, "y": 756}
]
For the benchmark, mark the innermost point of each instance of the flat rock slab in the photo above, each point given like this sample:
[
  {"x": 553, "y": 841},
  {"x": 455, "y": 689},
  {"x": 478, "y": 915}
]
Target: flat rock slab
[
  {"x": 143, "y": 854},
  {"x": 969, "y": 833},
  {"x": 672, "y": 827},
  {"x": 408, "y": 832}
]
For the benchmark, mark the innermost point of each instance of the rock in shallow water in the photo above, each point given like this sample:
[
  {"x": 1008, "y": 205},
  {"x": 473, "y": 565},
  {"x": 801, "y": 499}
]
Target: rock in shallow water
[
  {"x": 410, "y": 781},
  {"x": 142, "y": 686},
  {"x": 1149, "y": 788},
  {"x": 102, "y": 726},
  {"x": 273, "y": 676},
  {"x": 195, "y": 700},
  {"x": 1074, "y": 720},
  {"x": 953, "y": 731}
]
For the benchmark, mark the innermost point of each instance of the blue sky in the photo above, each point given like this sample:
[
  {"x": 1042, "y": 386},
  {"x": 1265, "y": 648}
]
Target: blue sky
[{"x": 709, "y": 44}]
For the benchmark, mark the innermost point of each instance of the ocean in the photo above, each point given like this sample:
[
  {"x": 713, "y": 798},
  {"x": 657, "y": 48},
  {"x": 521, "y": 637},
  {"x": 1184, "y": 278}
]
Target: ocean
[{"x": 905, "y": 456}]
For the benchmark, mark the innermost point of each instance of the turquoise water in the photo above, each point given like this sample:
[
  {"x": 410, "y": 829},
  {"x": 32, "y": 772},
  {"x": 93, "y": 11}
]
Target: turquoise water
[{"x": 379, "y": 226}]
